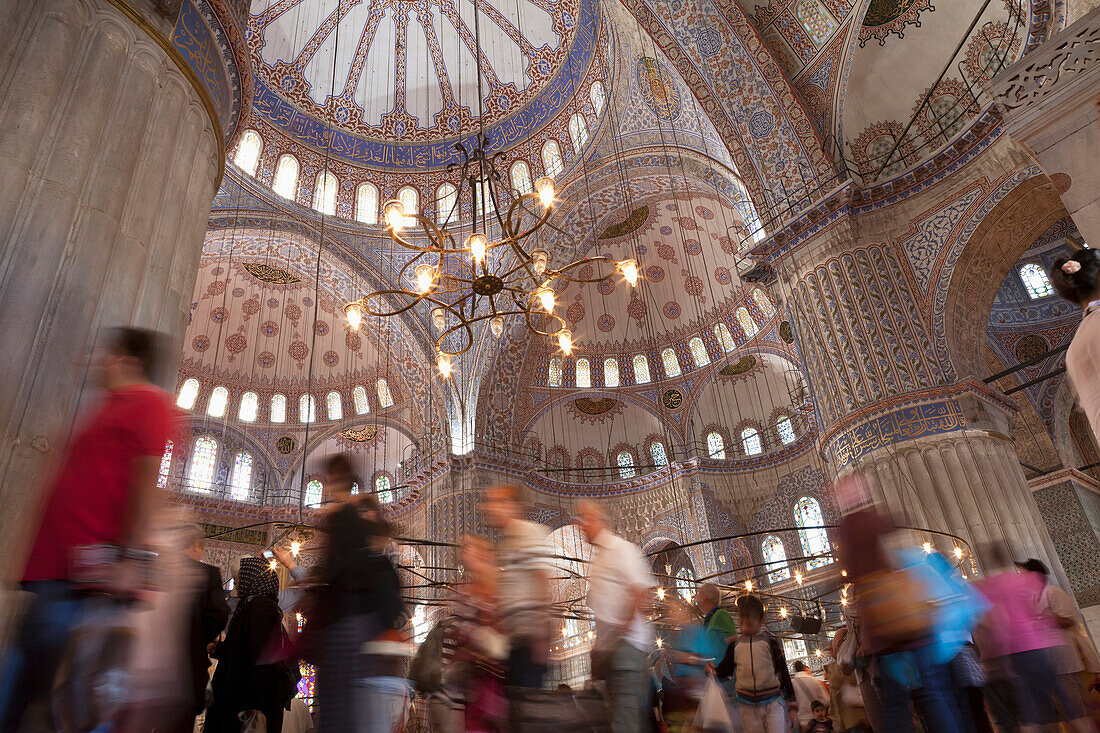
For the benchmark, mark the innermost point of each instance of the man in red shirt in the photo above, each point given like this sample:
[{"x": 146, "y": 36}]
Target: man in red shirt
[{"x": 103, "y": 494}]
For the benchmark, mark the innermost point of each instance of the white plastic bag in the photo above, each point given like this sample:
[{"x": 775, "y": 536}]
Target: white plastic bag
[
  {"x": 253, "y": 721},
  {"x": 712, "y": 715}
]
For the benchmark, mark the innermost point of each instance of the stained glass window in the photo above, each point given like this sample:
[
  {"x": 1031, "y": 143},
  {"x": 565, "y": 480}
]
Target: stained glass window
[
  {"x": 286, "y": 177},
  {"x": 382, "y": 489},
  {"x": 699, "y": 352},
  {"x": 670, "y": 362},
  {"x": 521, "y": 177},
  {"x": 748, "y": 325},
  {"x": 334, "y": 406},
  {"x": 1036, "y": 281},
  {"x": 716, "y": 446},
  {"x": 250, "y": 407},
  {"x": 410, "y": 199},
  {"x": 307, "y": 409},
  {"x": 776, "y": 557},
  {"x": 165, "y": 466},
  {"x": 598, "y": 97},
  {"x": 551, "y": 158},
  {"x": 366, "y": 203},
  {"x": 685, "y": 584},
  {"x": 313, "y": 494},
  {"x": 385, "y": 398},
  {"x": 359, "y": 397},
  {"x": 553, "y": 376},
  {"x": 219, "y": 399},
  {"x": 725, "y": 338},
  {"x": 785, "y": 429},
  {"x": 324, "y": 195},
  {"x": 611, "y": 372},
  {"x": 240, "y": 481},
  {"x": 446, "y": 196},
  {"x": 625, "y": 460},
  {"x": 815, "y": 20},
  {"x": 657, "y": 452},
  {"x": 750, "y": 441},
  {"x": 807, "y": 515},
  {"x": 578, "y": 132},
  {"x": 278, "y": 408},
  {"x": 584, "y": 374},
  {"x": 641, "y": 369},
  {"x": 188, "y": 393},
  {"x": 247, "y": 157},
  {"x": 307, "y": 686},
  {"x": 794, "y": 650},
  {"x": 764, "y": 303},
  {"x": 204, "y": 459}
]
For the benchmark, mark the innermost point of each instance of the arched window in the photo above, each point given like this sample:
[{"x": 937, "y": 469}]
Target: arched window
[
  {"x": 598, "y": 97},
  {"x": 382, "y": 490},
  {"x": 385, "y": 399},
  {"x": 584, "y": 374},
  {"x": 1036, "y": 281},
  {"x": 410, "y": 199},
  {"x": 784, "y": 428},
  {"x": 611, "y": 372},
  {"x": 657, "y": 453},
  {"x": 249, "y": 407},
  {"x": 334, "y": 406},
  {"x": 366, "y": 203},
  {"x": 219, "y": 399},
  {"x": 699, "y": 352},
  {"x": 716, "y": 445},
  {"x": 324, "y": 194},
  {"x": 776, "y": 557},
  {"x": 359, "y": 397},
  {"x": 240, "y": 481},
  {"x": 165, "y": 466},
  {"x": 807, "y": 516},
  {"x": 188, "y": 393},
  {"x": 204, "y": 461},
  {"x": 815, "y": 20},
  {"x": 553, "y": 375},
  {"x": 446, "y": 198},
  {"x": 625, "y": 461},
  {"x": 685, "y": 584},
  {"x": 641, "y": 369},
  {"x": 551, "y": 158},
  {"x": 764, "y": 303},
  {"x": 521, "y": 177},
  {"x": 748, "y": 325},
  {"x": 314, "y": 494},
  {"x": 278, "y": 408},
  {"x": 750, "y": 441},
  {"x": 307, "y": 409},
  {"x": 247, "y": 157},
  {"x": 725, "y": 338},
  {"x": 578, "y": 132},
  {"x": 670, "y": 362},
  {"x": 286, "y": 177}
]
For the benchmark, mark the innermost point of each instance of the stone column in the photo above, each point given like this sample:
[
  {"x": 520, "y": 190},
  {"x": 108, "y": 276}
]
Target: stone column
[{"x": 109, "y": 159}]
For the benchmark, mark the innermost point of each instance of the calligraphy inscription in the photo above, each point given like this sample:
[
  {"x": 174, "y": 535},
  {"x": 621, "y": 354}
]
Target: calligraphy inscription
[
  {"x": 896, "y": 427},
  {"x": 673, "y": 399}
]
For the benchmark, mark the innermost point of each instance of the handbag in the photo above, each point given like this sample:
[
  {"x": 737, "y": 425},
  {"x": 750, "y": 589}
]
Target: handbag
[
  {"x": 712, "y": 715},
  {"x": 894, "y": 608}
]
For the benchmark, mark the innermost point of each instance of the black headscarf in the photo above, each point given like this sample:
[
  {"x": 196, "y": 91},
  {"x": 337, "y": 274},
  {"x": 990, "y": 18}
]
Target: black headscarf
[{"x": 256, "y": 579}]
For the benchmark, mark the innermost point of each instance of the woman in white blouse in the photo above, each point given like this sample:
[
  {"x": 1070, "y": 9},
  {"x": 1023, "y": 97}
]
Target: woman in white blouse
[{"x": 1077, "y": 279}]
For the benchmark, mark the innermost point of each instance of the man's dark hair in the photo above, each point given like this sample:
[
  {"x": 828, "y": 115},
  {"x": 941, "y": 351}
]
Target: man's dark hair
[
  {"x": 801, "y": 666},
  {"x": 750, "y": 606},
  {"x": 339, "y": 465},
  {"x": 816, "y": 703},
  {"x": 143, "y": 345}
]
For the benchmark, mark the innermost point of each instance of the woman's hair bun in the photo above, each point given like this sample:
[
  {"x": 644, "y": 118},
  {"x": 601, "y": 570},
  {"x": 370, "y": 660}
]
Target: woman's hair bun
[{"x": 1075, "y": 277}]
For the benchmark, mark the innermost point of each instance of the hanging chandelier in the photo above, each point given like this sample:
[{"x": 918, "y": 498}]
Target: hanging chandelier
[{"x": 483, "y": 278}]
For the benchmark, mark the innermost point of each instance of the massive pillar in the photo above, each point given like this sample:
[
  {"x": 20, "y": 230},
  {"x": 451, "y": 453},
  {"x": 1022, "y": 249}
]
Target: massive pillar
[{"x": 109, "y": 157}]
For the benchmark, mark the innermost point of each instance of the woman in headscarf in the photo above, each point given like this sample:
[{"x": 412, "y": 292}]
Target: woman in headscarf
[{"x": 240, "y": 682}]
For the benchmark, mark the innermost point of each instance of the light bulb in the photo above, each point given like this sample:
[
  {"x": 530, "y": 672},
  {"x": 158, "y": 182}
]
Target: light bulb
[
  {"x": 783, "y": 612},
  {"x": 660, "y": 593},
  {"x": 539, "y": 259},
  {"x": 927, "y": 548},
  {"x": 818, "y": 652},
  {"x": 958, "y": 552},
  {"x": 295, "y": 548},
  {"x": 496, "y": 325},
  {"x": 564, "y": 632},
  {"x": 354, "y": 314},
  {"x": 425, "y": 274},
  {"x": 443, "y": 361},
  {"x": 565, "y": 340},
  {"x": 274, "y": 565},
  {"x": 478, "y": 244},
  {"x": 748, "y": 586},
  {"x": 798, "y": 576},
  {"x": 660, "y": 643},
  {"x": 546, "y": 298},
  {"x": 545, "y": 187},
  {"x": 629, "y": 268},
  {"x": 439, "y": 318},
  {"x": 395, "y": 215}
]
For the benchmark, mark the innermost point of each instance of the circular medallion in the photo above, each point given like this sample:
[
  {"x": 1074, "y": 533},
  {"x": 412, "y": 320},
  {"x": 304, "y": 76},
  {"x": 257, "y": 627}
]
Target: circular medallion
[
  {"x": 673, "y": 399},
  {"x": 285, "y": 445},
  {"x": 786, "y": 332},
  {"x": 488, "y": 285}
]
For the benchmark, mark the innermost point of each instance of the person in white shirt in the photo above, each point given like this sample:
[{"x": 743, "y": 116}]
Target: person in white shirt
[
  {"x": 807, "y": 689},
  {"x": 1077, "y": 279},
  {"x": 620, "y": 585}
]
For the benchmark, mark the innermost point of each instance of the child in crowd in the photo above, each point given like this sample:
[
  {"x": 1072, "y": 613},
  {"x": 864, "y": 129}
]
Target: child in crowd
[
  {"x": 820, "y": 722},
  {"x": 763, "y": 685}
]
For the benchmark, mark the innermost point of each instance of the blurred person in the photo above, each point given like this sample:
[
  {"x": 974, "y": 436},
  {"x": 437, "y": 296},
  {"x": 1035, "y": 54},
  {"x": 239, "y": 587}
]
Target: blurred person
[
  {"x": 687, "y": 650},
  {"x": 819, "y": 721},
  {"x": 102, "y": 496},
  {"x": 716, "y": 620},
  {"x": 968, "y": 679},
  {"x": 845, "y": 699},
  {"x": 241, "y": 682},
  {"x": 807, "y": 690},
  {"x": 620, "y": 585},
  {"x": 755, "y": 660},
  {"x": 1077, "y": 279},
  {"x": 524, "y": 586}
]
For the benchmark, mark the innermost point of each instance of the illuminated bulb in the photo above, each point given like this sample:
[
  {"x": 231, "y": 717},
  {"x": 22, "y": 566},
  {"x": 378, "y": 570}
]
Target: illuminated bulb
[
  {"x": 818, "y": 652},
  {"x": 927, "y": 548},
  {"x": 722, "y": 559},
  {"x": 844, "y": 573},
  {"x": 295, "y": 548},
  {"x": 395, "y": 215},
  {"x": 443, "y": 361},
  {"x": 660, "y": 643},
  {"x": 546, "y": 298},
  {"x": 539, "y": 259},
  {"x": 496, "y": 325},
  {"x": 629, "y": 269},
  {"x": 439, "y": 318},
  {"x": 478, "y": 244},
  {"x": 354, "y": 314},
  {"x": 783, "y": 612},
  {"x": 748, "y": 586},
  {"x": 964, "y": 576},
  {"x": 564, "y": 632},
  {"x": 545, "y": 187},
  {"x": 668, "y": 569},
  {"x": 274, "y": 565},
  {"x": 298, "y": 617},
  {"x": 425, "y": 274},
  {"x": 798, "y": 576},
  {"x": 660, "y": 593},
  {"x": 958, "y": 552},
  {"x": 844, "y": 601},
  {"x": 565, "y": 340}
]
